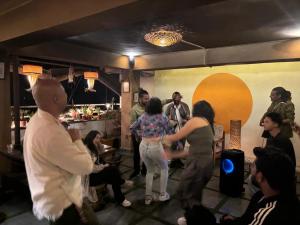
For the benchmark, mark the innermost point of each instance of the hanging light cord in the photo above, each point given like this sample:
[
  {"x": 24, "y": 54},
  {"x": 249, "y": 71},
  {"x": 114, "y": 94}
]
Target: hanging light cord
[
  {"x": 74, "y": 89},
  {"x": 198, "y": 46},
  {"x": 192, "y": 44}
]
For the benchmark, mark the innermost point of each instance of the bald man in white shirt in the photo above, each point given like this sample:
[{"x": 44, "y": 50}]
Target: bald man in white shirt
[{"x": 55, "y": 158}]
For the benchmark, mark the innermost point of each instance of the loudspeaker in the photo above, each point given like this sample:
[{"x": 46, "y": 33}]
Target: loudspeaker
[{"x": 232, "y": 172}]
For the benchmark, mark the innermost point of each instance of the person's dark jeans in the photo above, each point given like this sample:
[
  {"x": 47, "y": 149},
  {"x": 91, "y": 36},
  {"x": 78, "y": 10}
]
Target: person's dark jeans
[
  {"x": 69, "y": 216},
  {"x": 199, "y": 215},
  {"x": 137, "y": 157},
  {"x": 72, "y": 216},
  {"x": 177, "y": 163},
  {"x": 109, "y": 175}
]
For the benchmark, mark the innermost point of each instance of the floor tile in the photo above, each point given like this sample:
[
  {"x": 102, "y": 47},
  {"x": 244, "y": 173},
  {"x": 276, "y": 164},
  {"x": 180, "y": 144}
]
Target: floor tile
[
  {"x": 171, "y": 188},
  {"x": 14, "y": 206},
  {"x": 137, "y": 197},
  {"x": 234, "y": 206},
  {"x": 149, "y": 221},
  {"x": 211, "y": 199},
  {"x": 169, "y": 211},
  {"x": 117, "y": 215},
  {"x": 213, "y": 183},
  {"x": 24, "y": 219}
]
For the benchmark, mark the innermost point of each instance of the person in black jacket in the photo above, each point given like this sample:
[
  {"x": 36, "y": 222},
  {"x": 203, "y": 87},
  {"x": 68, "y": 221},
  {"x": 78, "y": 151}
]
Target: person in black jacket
[
  {"x": 272, "y": 123},
  {"x": 276, "y": 203}
]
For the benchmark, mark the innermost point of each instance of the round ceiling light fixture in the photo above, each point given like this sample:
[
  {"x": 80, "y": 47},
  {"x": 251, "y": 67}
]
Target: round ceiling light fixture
[{"x": 163, "y": 38}]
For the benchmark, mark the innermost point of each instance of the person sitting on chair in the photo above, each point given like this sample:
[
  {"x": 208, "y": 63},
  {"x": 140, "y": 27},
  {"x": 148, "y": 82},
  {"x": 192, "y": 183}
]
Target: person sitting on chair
[{"x": 104, "y": 173}]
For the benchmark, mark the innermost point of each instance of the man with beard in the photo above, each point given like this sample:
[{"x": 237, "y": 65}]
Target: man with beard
[
  {"x": 136, "y": 111},
  {"x": 178, "y": 113},
  {"x": 277, "y": 202}
]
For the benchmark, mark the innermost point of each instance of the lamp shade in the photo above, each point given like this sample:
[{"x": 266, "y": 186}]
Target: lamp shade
[
  {"x": 30, "y": 70},
  {"x": 235, "y": 134},
  {"x": 90, "y": 75}
]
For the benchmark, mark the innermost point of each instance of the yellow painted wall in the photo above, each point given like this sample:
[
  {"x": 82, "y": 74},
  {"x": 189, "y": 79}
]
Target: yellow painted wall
[{"x": 260, "y": 79}]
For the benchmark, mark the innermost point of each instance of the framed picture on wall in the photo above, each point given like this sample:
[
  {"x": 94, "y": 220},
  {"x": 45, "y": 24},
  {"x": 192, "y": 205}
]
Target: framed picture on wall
[
  {"x": 2, "y": 70},
  {"x": 135, "y": 97}
]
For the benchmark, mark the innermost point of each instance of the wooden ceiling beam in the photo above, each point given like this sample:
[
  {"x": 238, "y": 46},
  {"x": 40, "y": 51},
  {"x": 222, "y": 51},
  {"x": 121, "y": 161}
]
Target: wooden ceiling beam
[
  {"x": 284, "y": 50},
  {"x": 71, "y": 53}
]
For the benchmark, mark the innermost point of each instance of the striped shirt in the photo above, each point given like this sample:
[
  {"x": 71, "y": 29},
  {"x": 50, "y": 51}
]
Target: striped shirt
[{"x": 274, "y": 210}]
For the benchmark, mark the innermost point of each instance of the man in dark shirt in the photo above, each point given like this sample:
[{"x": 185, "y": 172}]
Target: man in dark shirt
[
  {"x": 272, "y": 123},
  {"x": 276, "y": 203}
]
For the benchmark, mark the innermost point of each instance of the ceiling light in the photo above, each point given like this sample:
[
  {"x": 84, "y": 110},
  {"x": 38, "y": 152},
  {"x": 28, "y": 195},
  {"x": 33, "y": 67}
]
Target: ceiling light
[
  {"x": 292, "y": 32},
  {"x": 32, "y": 72},
  {"x": 163, "y": 38}
]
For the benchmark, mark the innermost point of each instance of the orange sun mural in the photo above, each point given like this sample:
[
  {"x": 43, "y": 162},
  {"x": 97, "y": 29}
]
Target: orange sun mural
[{"x": 229, "y": 96}]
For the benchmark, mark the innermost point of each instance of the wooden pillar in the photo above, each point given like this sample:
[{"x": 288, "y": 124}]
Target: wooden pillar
[
  {"x": 16, "y": 91},
  {"x": 5, "y": 111},
  {"x": 126, "y": 105}
]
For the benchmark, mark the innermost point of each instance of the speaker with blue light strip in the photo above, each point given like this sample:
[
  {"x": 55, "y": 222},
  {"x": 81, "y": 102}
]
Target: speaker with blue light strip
[{"x": 232, "y": 172}]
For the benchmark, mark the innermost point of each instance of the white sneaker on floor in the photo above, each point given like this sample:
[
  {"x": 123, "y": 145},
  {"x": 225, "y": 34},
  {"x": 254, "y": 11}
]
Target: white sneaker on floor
[
  {"x": 164, "y": 197},
  {"x": 126, "y": 203},
  {"x": 181, "y": 221},
  {"x": 128, "y": 184},
  {"x": 148, "y": 200}
]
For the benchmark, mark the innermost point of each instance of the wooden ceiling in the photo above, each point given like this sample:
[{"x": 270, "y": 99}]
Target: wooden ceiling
[{"x": 97, "y": 32}]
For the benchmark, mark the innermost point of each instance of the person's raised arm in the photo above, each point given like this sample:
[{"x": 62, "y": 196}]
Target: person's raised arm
[{"x": 183, "y": 132}]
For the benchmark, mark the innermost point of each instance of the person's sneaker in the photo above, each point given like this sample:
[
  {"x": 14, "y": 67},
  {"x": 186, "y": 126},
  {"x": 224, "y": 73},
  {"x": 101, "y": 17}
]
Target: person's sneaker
[
  {"x": 133, "y": 175},
  {"x": 164, "y": 197},
  {"x": 181, "y": 221},
  {"x": 148, "y": 200},
  {"x": 126, "y": 203},
  {"x": 128, "y": 184}
]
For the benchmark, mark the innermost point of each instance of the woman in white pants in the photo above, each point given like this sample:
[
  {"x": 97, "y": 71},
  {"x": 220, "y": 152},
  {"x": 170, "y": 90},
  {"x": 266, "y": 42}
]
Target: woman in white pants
[{"x": 152, "y": 124}]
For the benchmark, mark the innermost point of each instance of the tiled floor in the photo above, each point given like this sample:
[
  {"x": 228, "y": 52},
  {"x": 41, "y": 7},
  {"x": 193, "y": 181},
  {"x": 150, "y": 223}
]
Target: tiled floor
[{"x": 19, "y": 211}]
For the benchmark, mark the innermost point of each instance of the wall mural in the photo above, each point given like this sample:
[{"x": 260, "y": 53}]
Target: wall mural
[{"x": 229, "y": 96}]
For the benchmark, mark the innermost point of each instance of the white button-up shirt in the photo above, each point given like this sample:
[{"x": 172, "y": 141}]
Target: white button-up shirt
[{"x": 54, "y": 165}]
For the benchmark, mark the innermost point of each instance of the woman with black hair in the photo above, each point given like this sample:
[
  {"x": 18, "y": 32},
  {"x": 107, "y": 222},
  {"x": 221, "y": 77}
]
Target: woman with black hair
[
  {"x": 153, "y": 124},
  {"x": 199, "y": 164},
  {"x": 104, "y": 173}
]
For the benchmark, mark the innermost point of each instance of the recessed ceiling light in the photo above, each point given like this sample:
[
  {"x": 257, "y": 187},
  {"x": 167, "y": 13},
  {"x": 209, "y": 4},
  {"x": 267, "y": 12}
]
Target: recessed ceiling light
[
  {"x": 132, "y": 54},
  {"x": 291, "y": 32}
]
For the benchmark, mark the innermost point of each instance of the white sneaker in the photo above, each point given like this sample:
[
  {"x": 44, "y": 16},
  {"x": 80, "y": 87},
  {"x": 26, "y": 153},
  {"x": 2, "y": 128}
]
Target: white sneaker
[
  {"x": 128, "y": 184},
  {"x": 164, "y": 197},
  {"x": 181, "y": 221},
  {"x": 126, "y": 203},
  {"x": 148, "y": 199}
]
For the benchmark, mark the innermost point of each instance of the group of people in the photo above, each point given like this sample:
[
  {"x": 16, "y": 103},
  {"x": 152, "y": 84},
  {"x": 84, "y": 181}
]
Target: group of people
[
  {"x": 159, "y": 131},
  {"x": 157, "y": 135},
  {"x": 56, "y": 159}
]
